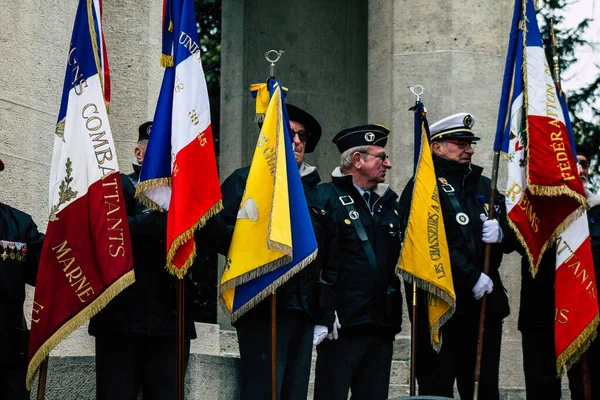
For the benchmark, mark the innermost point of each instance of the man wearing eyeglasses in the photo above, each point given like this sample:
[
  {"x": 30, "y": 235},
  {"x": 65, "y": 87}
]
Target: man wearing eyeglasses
[
  {"x": 464, "y": 196},
  {"x": 357, "y": 222},
  {"x": 295, "y": 299}
]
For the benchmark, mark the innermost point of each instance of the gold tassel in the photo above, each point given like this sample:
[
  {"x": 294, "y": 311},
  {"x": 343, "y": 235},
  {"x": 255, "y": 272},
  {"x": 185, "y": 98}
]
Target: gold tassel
[
  {"x": 171, "y": 26},
  {"x": 166, "y": 61}
]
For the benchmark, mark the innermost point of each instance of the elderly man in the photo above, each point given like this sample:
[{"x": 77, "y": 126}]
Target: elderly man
[
  {"x": 357, "y": 223},
  {"x": 295, "y": 299},
  {"x": 20, "y": 250},
  {"x": 536, "y": 314},
  {"x": 464, "y": 196}
]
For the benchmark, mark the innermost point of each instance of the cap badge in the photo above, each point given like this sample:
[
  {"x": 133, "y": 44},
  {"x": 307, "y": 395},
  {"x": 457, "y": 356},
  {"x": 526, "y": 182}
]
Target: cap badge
[
  {"x": 148, "y": 129},
  {"x": 467, "y": 121},
  {"x": 369, "y": 137}
]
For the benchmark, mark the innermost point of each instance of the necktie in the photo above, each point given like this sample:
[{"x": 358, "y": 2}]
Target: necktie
[{"x": 367, "y": 197}]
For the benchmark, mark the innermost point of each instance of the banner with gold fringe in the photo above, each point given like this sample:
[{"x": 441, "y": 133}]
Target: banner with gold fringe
[
  {"x": 179, "y": 173},
  {"x": 86, "y": 259}
]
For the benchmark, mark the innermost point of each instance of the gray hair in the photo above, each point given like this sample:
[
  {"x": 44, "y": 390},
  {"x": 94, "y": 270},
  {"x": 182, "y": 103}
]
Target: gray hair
[{"x": 346, "y": 157}]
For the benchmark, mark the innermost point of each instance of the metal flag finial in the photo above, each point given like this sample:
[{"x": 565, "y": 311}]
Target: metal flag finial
[
  {"x": 417, "y": 90},
  {"x": 273, "y": 56}
]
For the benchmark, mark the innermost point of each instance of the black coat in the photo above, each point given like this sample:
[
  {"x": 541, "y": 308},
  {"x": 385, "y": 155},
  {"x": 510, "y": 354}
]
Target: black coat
[
  {"x": 298, "y": 293},
  {"x": 148, "y": 306},
  {"x": 472, "y": 191},
  {"x": 16, "y": 269},
  {"x": 536, "y": 308},
  {"x": 364, "y": 297}
]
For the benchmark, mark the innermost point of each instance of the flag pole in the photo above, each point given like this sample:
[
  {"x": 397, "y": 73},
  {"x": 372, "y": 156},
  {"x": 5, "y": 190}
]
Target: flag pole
[
  {"x": 41, "y": 392},
  {"x": 272, "y": 56},
  {"x": 486, "y": 270},
  {"x": 180, "y": 371},
  {"x": 583, "y": 361}
]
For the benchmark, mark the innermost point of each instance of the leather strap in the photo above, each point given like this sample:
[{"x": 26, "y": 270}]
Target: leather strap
[{"x": 450, "y": 192}]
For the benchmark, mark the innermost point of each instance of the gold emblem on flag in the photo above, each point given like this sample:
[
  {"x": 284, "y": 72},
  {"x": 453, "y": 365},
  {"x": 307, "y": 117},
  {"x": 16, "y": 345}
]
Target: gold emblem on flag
[{"x": 65, "y": 193}]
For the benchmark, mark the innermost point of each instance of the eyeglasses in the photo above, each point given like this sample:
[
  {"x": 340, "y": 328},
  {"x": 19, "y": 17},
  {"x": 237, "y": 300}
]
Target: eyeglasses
[
  {"x": 302, "y": 135},
  {"x": 381, "y": 156},
  {"x": 462, "y": 144},
  {"x": 585, "y": 164}
]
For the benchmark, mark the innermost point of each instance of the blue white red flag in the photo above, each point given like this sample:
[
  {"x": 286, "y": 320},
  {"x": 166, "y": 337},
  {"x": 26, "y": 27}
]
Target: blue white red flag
[
  {"x": 545, "y": 198},
  {"x": 179, "y": 173},
  {"x": 86, "y": 259}
]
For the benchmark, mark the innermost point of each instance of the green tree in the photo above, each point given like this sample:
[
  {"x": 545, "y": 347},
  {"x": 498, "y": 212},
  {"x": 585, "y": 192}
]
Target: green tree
[{"x": 582, "y": 102}]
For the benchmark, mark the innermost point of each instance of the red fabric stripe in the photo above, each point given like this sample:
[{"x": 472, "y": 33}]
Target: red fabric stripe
[
  {"x": 195, "y": 190},
  {"x": 95, "y": 229}
]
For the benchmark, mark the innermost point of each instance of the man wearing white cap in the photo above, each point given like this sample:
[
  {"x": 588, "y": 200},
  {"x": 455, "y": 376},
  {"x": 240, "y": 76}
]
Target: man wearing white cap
[{"x": 464, "y": 195}]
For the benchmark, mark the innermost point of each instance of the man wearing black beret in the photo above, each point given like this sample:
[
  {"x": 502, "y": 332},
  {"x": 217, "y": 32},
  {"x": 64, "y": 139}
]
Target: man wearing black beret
[
  {"x": 135, "y": 332},
  {"x": 20, "y": 250},
  {"x": 357, "y": 222},
  {"x": 295, "y": 299}
]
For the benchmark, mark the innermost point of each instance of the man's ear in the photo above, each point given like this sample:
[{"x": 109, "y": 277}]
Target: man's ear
[
  {"x": 356, "y": 157},
  {"x": 436, "y": 147},
  {"x": 137, "y": 152}
]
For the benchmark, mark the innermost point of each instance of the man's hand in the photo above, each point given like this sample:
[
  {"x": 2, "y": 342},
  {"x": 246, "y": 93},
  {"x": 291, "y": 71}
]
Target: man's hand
[
  {"x": 336, "y": 326},
  {"x": 319, "y": 334},
  {"x": 492, "y": 233},
  {"x": 484, "y": 285}
]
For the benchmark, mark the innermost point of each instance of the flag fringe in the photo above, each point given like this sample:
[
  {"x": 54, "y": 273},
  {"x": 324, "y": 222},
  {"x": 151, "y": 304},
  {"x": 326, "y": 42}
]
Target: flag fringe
[
  {"x": 71, "y": 325},
  {"x": 182, "y": 238},
  {"x": 554, "y": 191},
  {"x": 267, "y": 291},
  {"x": 166, "y": 61},
  {"x": 580, "y": 345},
  {"x": 255, "y": 273},
  {"x": 149, "y": 185}
]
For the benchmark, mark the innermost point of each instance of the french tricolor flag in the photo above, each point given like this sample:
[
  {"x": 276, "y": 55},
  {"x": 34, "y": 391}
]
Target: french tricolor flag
[
  {"x": 545, "y": 198},
  {"x": 86, "y": 259},
  {"x": 179, "y": 173}
]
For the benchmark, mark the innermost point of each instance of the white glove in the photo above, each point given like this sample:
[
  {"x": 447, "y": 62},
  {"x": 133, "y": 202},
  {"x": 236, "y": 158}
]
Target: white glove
[
  {"x": 320, "y": 334},
  {"x": 484, "y": 285},
  {"x": 492, "y": 233},
  {"x": 336, "y": 326}
]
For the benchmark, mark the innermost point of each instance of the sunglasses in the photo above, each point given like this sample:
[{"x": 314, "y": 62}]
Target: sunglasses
[
  {"x": 302, "y": 135},
  {"x": 585, "y": 164}
]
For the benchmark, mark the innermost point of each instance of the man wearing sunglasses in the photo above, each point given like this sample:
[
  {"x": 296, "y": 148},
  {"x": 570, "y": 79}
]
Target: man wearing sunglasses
[
  {"x": 357, "y": 222},
  {"x": 464, "y": 196},
  {"x": 295, "y": 299}
]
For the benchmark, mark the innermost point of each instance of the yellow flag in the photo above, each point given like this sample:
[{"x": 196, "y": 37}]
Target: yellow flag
[
  {"x": 262, "y": 238},
  {"x": 424, "y": 258}
]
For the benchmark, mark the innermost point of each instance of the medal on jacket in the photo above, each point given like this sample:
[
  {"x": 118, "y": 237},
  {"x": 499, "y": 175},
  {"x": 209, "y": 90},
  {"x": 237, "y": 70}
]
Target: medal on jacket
[
  {"x": 354, "y": 214},
  {"x": 462, "y": 218}
]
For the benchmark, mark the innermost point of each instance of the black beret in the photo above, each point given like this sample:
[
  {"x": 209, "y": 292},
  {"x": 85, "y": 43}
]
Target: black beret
[
  {"x": 363, "y": 135},
  {"x": 581, "y": 150},
  {"x": 313, "y": 129},
  {"x": 1, "y": 166},
  {"x": 144, "y": 131}
]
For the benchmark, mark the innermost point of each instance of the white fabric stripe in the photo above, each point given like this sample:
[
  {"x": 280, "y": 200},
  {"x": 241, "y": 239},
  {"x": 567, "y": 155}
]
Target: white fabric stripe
[
  {"x": 78, "y": 145},
  {"x": 542, "y": 97},
  {"x": 574, "y": 235},
  {"x": 190, "y": 101},
  {"x": 517, "y": 179}
]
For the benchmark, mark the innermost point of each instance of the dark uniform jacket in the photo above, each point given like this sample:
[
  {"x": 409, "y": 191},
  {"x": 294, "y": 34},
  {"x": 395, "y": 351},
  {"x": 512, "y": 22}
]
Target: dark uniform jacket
[
  {"x": 472, "y": 190},
  {"x": 297, "y": 294},
  {"x": 366, "y": 299},
  {"x": 536, "y": 309},
  {"x": 20, "y": 250},
  {"x": 148, "y": 306}
]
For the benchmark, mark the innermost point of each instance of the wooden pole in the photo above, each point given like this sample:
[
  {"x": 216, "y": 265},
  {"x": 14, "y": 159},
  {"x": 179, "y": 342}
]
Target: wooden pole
[
  {"x": 486, "y": 270},
  {"x": 413, "y": 343},
  {"x": 585, "y": 376},
  {"x": 41, "y": 392},
  {"x": 180, "y": 340},
  {"x": 273, "y": 346}
]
